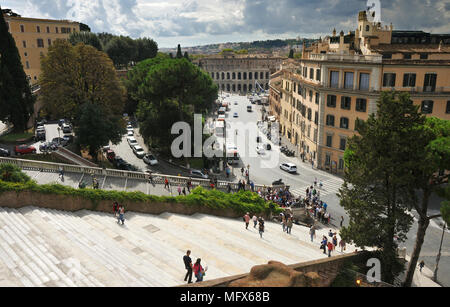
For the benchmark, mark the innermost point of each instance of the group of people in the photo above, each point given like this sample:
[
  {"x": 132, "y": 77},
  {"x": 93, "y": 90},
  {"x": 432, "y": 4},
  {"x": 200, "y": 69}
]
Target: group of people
[
  {"x": 330, "y": 243},
  {"x": 198, "y": 270},
  {"x": 119, "y": 212},
  {"x": 256, "y": 220}
]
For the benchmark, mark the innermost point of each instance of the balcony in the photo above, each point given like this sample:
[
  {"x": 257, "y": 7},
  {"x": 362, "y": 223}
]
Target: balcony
[
  {"x": 354, "y": 58},
  {"x": 424, "y": 90}
]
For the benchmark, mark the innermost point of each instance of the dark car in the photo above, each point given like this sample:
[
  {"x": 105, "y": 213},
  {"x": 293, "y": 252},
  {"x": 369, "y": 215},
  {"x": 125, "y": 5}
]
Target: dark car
[
  {"x": 110, "y": 155},
  {"x": 24, "y": 149},
  {"x": 61, "y": 122},
  {"x": 59, "y": 141},
  {"x": 4, "y": 152},
  {"x": 68, "y": 138}
]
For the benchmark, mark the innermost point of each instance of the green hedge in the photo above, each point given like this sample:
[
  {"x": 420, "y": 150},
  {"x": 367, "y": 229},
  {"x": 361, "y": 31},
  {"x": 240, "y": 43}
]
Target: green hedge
[{"x": 241, "y": 202}]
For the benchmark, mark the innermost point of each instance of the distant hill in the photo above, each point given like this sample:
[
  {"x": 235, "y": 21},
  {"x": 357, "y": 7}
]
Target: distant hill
[{"x": 265, "y": 46}]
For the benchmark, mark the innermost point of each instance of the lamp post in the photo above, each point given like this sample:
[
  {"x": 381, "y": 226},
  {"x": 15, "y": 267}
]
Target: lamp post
[
  {"x": 59, "y": 135},
  {"x": 248, "y": 171}
]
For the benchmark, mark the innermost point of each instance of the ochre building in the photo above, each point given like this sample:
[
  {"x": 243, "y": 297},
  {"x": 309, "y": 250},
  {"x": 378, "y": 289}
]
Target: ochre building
[
  {"x": 240, "y": 74},
  {"x": 33, "y": 37},
  {"x": 319, "y": 98}
]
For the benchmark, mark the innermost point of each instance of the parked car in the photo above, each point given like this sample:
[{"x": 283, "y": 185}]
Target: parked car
[
  {"x": 138, "y": 151},
  {"x": 235, "y": 115},
  {"x": 129, "y": 127},
  {"x": 150, "y": 159},
  {"x": 59, "y": 141},
  {"x": 68, "y": 138},
  {"x": 110, "y": 155},
  {"x": 288, "y": 167},
  {"x": 24, "y": 149},
  {"x": 61, "y": 122},
  {"x": 118, "y": 162},
  {"x": 132, "y": 141},
  {"x": 66, "y": 128},
  {"x": 198, "y": 174},
  {"x": 4, "y": 152},
  {"x": 130, "y": 133},
  {"x": 260, "y": 150},
  {"x": 249, "y": 109}
]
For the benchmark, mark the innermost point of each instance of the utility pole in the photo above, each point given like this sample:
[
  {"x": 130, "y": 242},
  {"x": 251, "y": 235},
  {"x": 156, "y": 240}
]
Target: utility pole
[{"x": 438, "y": 257}]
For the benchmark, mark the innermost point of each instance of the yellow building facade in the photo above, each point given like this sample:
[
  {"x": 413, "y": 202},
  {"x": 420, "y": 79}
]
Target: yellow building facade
[
  {"x": 319, "y": 98},
  {"x": 34, "y": 36}
]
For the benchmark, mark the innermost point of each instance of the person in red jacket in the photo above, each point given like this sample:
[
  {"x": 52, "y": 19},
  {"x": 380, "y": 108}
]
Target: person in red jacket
[
  {"x": 198, "y": 270},
  {"x": 247, "y": 220},
  {"x": 330, "y": 248}
]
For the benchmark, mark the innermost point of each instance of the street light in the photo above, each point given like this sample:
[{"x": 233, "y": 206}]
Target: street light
[{"x": 59, "y": 135}]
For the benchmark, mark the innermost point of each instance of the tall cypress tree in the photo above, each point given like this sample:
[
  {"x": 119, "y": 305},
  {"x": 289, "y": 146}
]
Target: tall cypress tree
[
  {"x": 179, "y": 54},
  {"x": 16, "y": 99}
]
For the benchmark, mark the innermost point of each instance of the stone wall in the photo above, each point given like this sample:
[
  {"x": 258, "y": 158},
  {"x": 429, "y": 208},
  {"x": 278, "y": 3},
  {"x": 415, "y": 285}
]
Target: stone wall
[{"x": 12, "y": 199}]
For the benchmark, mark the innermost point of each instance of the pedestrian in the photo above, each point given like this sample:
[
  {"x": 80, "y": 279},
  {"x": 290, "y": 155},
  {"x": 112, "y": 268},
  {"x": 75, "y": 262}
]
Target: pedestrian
[
  {"x": 61, "y": 173},
  {"x": 342, "y": 245},
  {"x": 289, "y": 224},
  {"x": 320, "y": 184},
  {"x": 335, "y": 242},
  {"x": 189, "y": 185},
  {"x": 150, "y": 178},
  {"x": 421, "y": 265},
  {"x": 315, "y": 181},
  {"x": 255, "y": 221},
  {"x": 121, "y": 215},
  {"x": 252, "y": 186},
  {"x": 166, "y": 183},
  {"x": 312, "y": 164},
  {"x": 188, "y": 265},
  {"x": 261, "y": 227},
  {"x": 312, "y": 233},
  {"x": 246, "y": 220},
  {"x": 283, "y": 222},
  {"x": 242, "y": 171},
  {"x": 179, "y": 190},
  {"x": 323, "y": 244},
  {"x": 229, "y": 188},
  {"x": 198, "y": 270},
  {"x": 342, "y": 221},
  {"x": 115, "y": 208},
  {"x": 184, "y": 191},
  {"x": 330, "y": 248}
]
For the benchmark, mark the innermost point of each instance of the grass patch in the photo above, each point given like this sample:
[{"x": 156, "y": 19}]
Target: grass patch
[{"x": 16, "y": 137}]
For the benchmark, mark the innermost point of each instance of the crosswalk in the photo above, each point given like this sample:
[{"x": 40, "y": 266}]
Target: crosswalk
[{"x": 330, "y": 187}]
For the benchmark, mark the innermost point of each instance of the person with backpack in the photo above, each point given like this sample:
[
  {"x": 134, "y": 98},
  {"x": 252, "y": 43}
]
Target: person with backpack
[
  {"x": 261, "y": 227},
  {"x": 188, "y": 265},
  {"x": 246, "y": 220},
  {"x": 199, "y": 272}
]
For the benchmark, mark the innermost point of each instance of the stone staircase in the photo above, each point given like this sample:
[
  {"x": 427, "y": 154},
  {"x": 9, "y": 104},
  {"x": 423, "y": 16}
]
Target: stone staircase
[{"x": 44, "y": 247}]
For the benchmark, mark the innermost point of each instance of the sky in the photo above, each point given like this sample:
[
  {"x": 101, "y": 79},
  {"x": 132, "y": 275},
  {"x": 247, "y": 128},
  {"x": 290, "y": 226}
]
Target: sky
[{"x": 199, "y": 22}]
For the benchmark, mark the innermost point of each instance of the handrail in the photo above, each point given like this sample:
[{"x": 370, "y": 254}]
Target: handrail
[{"x": 156, "y": 177}]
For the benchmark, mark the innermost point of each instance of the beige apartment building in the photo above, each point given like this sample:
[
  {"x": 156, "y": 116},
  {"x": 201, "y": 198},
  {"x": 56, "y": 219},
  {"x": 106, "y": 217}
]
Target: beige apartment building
[
  {"x": 319, "y": 98},
  {"x": 33, "y": 37},
  {"x": 240, "y": 74}
]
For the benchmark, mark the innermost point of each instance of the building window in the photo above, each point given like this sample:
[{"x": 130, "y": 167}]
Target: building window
[
  {"x": 343, "y": 144},
  {"x": 344, "y": 123},
  {"x": 49, "y": 42},
  {"x": 316, "y": 118},
  {"x": 318, "y": 75},
  {"x": 427, "y": 106},
  {"x": 40, "y": 43},
  {"x": 387, "y": 56},
  {"x": 234, "y": 76},
  {"x": 311, "y": 73},
  {"x": 261, "y": 75},
  {"x": 358, "y": 122},
  {"x": 407, "y": 56},
  {"x": 56, "y": 30},
  {"x": 424, "y": 56},
  {"x": 327, "y": 159},
  {"x": 317, "y": 98},
  {"x": 25, "y": 54},
  {"x": 38, "y": 29},
  {"x": 27, "y": 64},
  {"x": 364, "y": 81},
  {"x": 330, "y": 120},
  {"x": 429, "y": 84},
  {"x": 329, "y": 141},
  {"x": 346, "y": 103},
  {"x": 409, "y": 80},
  {"x": 447, "y": 110},
  {"x": 267, "y": 75},
  {"x": 310, "y": 95},
  {"x": 48, "y": 29},
  {"x": 22, "y": 28},
  {"x": 341, "y": 164},
  {"x": 389, "y": 80},
  {"x": 24, "y": 44},
  {"x": 245, "y": 76},
  {"x": 361, "y": 105},
  {"x": 331, "y": 101},
  {"x": 367, "y": 28},
  {"x": 309, "y": 113},
  {"x": 334, "y": 79},
  {"x": 348, "y": 82}
]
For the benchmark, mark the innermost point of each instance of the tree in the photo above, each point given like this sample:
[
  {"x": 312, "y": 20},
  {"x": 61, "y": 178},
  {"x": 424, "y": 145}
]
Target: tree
[
  {"x": 170, "y": 90},
  {"x": 433, "y": 148},
  {"x": 122, "y": 50},
  {"x": 179, "y": 54},
  {"x": 378, "y": 179},
  {"x": 105, "y": 38},
  {"x": 445, "y": 211},
  {"x": 86, "y": 38},
  {"x": 16, "y": 98},
  {"x": 291, "y": 54},
  {"x": 84, "y": 27},
  {"x": 13, "y": 173},
  {"x": 146, "y": 49},
  {"x": 97, "y": 127},
  {"x": 75, "y": 75},
  {"x": 186, "y": 56}
]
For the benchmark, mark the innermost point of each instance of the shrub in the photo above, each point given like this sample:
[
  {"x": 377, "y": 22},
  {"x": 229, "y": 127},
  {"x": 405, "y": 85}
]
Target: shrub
[{"x": 13, "y": 173}]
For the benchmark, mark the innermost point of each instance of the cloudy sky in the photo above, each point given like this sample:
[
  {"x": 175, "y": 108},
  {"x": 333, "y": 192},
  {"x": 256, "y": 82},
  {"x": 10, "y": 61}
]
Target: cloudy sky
[{"x": 197, "y": 22}]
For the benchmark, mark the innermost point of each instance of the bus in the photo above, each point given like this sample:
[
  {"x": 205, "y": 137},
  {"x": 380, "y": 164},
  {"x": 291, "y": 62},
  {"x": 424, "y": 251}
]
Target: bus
[
  {"x": 232, "y": 154},
  {"x": 219, "y": 129}
]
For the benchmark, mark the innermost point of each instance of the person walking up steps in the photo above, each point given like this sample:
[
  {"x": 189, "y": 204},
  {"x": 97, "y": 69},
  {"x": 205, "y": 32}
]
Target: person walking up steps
[
  {"x": 261, "y": 227},
  {"x": 312, "y": 233},
  {"x": 198, "y": 270},
  {"x": 289, "y": 224},
  {"x": 115, "y": 208},
  {"x": 188, "y": 264},
  {"x": 246, "y": 220},
  {"x": 121, "y": 215},
  {"x": 330, "y": 248},
  {"x": 342, "y": 245},
  {"x": 255, "y": 221}
]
